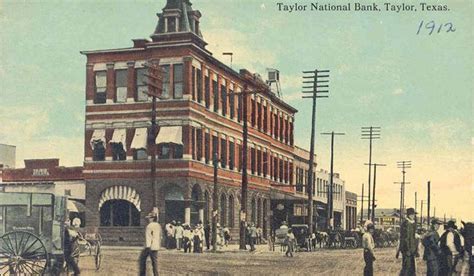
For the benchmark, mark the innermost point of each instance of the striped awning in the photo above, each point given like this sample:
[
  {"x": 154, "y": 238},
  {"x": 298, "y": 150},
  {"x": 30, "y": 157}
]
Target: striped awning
[
  {"x": 120, "y": 192},
  {"x": 97, "y": 136},
  {"x": 170, "y": 134}
]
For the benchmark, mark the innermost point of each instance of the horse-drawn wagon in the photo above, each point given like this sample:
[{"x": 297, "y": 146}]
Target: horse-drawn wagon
[{"x": 32, "y": 233}]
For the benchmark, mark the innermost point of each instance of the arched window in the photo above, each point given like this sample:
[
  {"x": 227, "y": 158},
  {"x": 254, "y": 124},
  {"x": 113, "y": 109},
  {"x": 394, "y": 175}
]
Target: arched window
[
  {"x": 206, "y": 207},
  {"x": 259, "y": 212},
  {"x": 223, "y": 209},
  {"x": 231, "y": 211},
  {"x": 254, "y": 211},
  {"x": 265, "y": 218},
  {"x": 119, "y": 212}
]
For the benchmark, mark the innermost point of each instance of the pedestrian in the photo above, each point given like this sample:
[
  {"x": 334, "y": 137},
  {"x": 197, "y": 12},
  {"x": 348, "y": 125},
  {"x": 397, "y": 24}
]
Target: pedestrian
[
  {"x": 152, "y": 244},
  {"x": 169, "y": 228},
  {"x": 432, "y": 252},
  {"x": 197, "y": 240},
  {"x": 408, "y": 245},
  {"x": 187, "y": 239},
  {"x": 178, "y": 235},
  {"x": 459, "y": 244},
  {"x": 70, "y": 245},
  {"x": 450, "y": 243},
  {"x": 369, "y": 245},
  {"x": 227, "y": 237},
  {"x": 290, "y": 241},
  {"x": 253, "y": 236},
  {"x": 207, "y": 235}
]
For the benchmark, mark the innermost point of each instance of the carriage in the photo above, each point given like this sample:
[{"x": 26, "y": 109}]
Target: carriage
[{"x": 32, "y": 234}]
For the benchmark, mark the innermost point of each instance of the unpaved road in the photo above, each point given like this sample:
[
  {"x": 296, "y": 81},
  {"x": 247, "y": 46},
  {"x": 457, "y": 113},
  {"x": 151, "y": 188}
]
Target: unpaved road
[{"x": 323, "y": 262}]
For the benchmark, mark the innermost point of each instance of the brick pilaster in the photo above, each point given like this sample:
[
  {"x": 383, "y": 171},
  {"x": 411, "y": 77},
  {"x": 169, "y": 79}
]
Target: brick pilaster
[
  {"x": 90, "y": 82},
  {"x": 110, "y": 82}
]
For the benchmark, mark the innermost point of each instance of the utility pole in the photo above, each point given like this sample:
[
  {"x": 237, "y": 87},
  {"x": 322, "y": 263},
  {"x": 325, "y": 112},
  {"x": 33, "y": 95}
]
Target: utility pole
[
  {"x": 362, "y": 205},
  {"x": 403, "y": 165},
  {"x": 429, "y": 200},
  {"x": 155, "y": 87},
  {"x": 317, "y": 78},
  {"x": 244, "y": 190},
  {"x": 370, "y": 133},
  {"x": 215, "y": 206},
  {"x": 416, "y": 209},
  {"x": 372, "y": 214},
  {"x": 330, "y": 222},
  {"x": 421, "y": 213}
]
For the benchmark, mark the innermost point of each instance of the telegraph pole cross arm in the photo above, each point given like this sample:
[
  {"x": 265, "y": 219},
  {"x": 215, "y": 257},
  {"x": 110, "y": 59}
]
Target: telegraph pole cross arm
[
  {"x": 316, "y": 84},
  {"x": 370, "y": 133}
]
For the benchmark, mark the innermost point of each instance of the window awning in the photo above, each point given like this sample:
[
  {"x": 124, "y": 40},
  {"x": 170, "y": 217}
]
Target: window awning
[
  {"x": 98, "y": 136},
  {"x": 74, "y": 206},
  {"x": 140, "y": 139},
  {"x": 119, "y": 136},
  {"x": 170, "y": 134},
  {"x": 120, "y": 192}
]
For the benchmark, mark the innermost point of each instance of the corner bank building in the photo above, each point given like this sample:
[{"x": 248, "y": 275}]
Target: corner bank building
[{"x": 199, "y": 112}]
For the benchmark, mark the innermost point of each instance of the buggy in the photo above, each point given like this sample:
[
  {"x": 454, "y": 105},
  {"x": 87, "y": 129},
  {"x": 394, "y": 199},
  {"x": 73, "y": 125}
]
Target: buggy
[{"x": 32, "y": 234}]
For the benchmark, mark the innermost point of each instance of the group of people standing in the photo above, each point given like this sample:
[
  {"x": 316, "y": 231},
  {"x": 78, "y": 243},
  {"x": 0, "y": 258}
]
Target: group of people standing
[{"x": 441, "y": 253}]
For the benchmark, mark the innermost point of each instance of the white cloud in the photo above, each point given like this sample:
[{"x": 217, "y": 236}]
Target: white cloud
[
  {"x": 262, "y": 6},
  {"x": 398, "y": 91},
  {"x": 245, "y": 55}
]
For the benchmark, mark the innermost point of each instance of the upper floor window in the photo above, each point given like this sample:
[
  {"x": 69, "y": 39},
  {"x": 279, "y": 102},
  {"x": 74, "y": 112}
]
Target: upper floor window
[
  {"x": 207, "y": 91},
  {"x": 199, "y": 85},
  {"x": 98, "y": 144},
  {"x": 216, "y": 95},
  {"x": 165, "y": 93},
  {"x": 178, "y": 81},
  {"x": 239, "y": 108},
  {"x": 259, "y": 116},
  {"x": 142, "y": 87},
  {"x": 224, "y": 100},
  {"x": 231, "y": 104},
  {"x": 265, "y": 119},
  {"x": 100, "y": 87},
  {"x": 121, "y": 86},
  {"x": 231, "y": 155},
  {"x": 140, "y": 154}
]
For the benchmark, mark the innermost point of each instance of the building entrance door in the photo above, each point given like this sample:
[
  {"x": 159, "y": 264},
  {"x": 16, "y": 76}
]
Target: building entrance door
[{"x": 174, "y": 210}]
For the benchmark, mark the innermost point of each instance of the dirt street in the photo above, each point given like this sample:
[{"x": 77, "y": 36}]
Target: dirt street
[{"x": 323, "y": 262}]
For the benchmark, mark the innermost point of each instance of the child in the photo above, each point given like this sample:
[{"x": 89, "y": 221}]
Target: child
[{"x": 290, "y": 241}]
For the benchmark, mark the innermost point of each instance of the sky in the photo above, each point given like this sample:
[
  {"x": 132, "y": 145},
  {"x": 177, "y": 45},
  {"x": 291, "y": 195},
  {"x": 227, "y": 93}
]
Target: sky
[{"x": 417, "y": 87}]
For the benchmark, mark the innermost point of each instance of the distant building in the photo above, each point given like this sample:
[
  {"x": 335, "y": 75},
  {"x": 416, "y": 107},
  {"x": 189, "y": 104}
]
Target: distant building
[
  {"x": 351, "y": 210},
  {"x": 7, "y": 156},
  {"x": 45, "y": 175},
  {"x": 386, "y": 217}
]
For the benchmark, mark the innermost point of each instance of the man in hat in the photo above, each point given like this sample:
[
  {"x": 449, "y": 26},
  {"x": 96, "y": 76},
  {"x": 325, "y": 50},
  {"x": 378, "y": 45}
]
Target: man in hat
[
  {"x": 450, "y": 243},
  {"x": 432, "y": 251},
  {"x": 153, "y": 240},
  {"x": 408, "y": 245},
  {"x": 369, "y": 245}
]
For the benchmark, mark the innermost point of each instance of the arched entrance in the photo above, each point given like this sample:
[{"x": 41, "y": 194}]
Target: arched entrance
[
  {"x": 230, "y": 221},
  {"x": 222, "y": 210},
  {"x": 174, "y": 204},
  {"x": 119, "y": 206},
  {"x": 196, "y": 205}
]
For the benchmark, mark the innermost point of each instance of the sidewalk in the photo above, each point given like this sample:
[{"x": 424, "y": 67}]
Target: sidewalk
[{"x": 231, "y": 248}]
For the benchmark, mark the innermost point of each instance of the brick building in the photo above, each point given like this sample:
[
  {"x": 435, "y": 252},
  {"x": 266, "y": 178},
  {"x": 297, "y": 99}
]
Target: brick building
[{"x": 198, "y": 113}]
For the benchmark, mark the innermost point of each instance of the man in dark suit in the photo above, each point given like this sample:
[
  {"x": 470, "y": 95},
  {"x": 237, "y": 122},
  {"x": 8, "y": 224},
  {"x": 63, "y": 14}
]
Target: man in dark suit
[
  {"x": 408, "y": 244},
  {"x": 432, "y": 251}
]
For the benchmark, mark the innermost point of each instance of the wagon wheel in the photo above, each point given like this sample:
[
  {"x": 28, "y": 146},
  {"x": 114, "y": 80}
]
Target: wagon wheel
[
  {"x": 98, "y": 256},
  {"x": 23, "y": 253}
]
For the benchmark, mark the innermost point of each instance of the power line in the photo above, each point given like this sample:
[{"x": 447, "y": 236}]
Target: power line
[
  {"x": 370, "y": 133},
  {"x": 314, "y": 83}
]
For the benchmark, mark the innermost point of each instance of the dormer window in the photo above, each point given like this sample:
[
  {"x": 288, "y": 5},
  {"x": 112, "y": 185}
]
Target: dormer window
[{"x": 172, "y": 24}]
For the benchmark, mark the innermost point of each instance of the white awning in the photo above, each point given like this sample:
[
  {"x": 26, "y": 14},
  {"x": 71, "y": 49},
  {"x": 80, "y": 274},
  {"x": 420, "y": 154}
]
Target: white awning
[
  {"x": 120, "y": 192},
  {"x": 74, "y": 206},
  {"x": 170, "y": 134},
  {"x": 97, "y": 136},
  {"x": 140, "y": 138},
  {"x": 119, "y": 136}
]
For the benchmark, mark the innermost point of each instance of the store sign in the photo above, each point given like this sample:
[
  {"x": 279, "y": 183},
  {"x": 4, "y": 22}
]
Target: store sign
[
  {"x": 40, "y": 172},
  {"x": 300, "y": 210}
]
